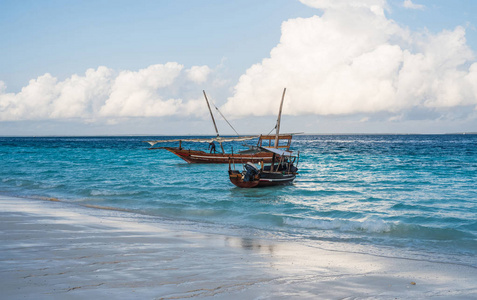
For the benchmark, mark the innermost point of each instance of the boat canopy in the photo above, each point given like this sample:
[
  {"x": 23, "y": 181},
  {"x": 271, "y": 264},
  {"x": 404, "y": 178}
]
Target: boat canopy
[
  {"x": 277, "y": 151},
  {"x": 206, "y": 140},
  {"x": 281, "y": 136}
]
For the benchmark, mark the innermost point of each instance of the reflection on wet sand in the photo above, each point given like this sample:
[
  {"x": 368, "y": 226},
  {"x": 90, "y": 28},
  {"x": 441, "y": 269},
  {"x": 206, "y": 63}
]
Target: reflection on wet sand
[{"x": 250, "y": 244}]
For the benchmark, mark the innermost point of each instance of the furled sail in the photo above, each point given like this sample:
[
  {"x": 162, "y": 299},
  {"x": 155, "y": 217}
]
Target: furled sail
[{"x": 218, "y": 139}]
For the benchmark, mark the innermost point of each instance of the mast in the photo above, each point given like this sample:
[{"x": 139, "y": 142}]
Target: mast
[
  {"x": 272, "y": 166},
  {"x": 213, "y": 120},
  {"x": 278, "y": 120},
  {"x": 211, "y": 115}
]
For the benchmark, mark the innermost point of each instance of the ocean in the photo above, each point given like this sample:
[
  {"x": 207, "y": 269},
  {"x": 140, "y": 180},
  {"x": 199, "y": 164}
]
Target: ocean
[{"x": 407, "y": 196}]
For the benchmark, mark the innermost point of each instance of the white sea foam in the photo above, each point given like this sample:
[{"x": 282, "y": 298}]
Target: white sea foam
[
  {"x": 111, "y": 193},
  {"x": 367, "y": 225}
]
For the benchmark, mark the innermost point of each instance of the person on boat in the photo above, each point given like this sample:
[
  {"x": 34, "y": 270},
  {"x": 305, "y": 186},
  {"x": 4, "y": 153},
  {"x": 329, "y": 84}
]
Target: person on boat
[{"x": 212, "y": 147}]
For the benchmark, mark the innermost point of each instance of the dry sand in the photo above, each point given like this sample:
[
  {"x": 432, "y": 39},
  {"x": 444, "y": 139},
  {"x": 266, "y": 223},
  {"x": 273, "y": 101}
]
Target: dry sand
[{"x": 53, "y": 250}]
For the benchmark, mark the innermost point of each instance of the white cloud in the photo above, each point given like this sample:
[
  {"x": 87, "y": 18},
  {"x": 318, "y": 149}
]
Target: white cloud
[
  {"x": 198, "y": 74},
  {"x": 133, "y": 94},
  {"x": 81, "y": 96},
  {"x": 103, "y": 93},
  {"x": 352, "y": 60},
  {"x": 33, "y": 102},
  {"x": 410, "y": 5},
  {"x": 46, "y": 98}
]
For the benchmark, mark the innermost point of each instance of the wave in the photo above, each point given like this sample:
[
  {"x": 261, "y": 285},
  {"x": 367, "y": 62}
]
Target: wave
[
  {"x": 393, "y": 229},
  {"x": 114, "y": 193},
  {"x": 367, "y": 225}
]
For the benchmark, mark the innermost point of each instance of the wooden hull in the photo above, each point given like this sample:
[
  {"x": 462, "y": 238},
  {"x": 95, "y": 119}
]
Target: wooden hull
[
  {"x": 261, "y": 180},
  {"x": 201, "y": 157}
]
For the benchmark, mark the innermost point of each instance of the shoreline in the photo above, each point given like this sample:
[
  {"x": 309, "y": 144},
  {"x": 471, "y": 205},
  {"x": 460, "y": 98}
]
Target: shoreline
[{"x": 55, "y": 250}]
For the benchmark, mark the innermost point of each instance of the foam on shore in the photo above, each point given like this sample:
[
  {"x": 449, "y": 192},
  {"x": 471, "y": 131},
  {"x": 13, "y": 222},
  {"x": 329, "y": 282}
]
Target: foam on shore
[{"x": 54, "y": 250}]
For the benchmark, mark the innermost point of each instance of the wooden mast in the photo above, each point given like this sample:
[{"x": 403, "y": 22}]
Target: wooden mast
[
  {"x": 278, "y": 120},
  {"x": 211, "y": 115},
  {"x": 272, "y": 167},
  {"x": 213, "y": 120}
]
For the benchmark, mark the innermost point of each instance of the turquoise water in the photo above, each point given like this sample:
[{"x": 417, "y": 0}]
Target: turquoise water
[{"x": 412, "y": 196}]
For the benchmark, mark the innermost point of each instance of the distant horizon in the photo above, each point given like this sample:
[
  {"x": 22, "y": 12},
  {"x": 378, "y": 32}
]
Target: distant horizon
[{"x": 227, "y": 135}]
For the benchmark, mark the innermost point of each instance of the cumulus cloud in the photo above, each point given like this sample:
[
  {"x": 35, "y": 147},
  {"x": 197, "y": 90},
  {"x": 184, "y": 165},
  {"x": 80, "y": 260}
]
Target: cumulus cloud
[
  {"x": 353, "y": 59},
  {"x": 198, "y": 74},
  {"x": 410, "y": 5},
  {"x": 134, "y": 94},
  {"x": 104, "y": 93},
  {"x": 80, "y": 95}
]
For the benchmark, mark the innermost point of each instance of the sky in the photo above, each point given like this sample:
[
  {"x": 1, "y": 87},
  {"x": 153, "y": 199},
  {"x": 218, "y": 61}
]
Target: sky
[{"x": 139, "y": 67}]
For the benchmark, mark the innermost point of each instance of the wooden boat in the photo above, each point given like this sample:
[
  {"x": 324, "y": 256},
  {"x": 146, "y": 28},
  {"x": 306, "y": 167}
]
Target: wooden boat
[
  {"x": 281, "y": 170},
  {"x": 254, "y": 154}
]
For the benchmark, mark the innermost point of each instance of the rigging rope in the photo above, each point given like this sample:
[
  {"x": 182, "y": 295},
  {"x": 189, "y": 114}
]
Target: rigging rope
[
  {"x": 272, "y": 129},
  {"x": 224, "y": 117}
]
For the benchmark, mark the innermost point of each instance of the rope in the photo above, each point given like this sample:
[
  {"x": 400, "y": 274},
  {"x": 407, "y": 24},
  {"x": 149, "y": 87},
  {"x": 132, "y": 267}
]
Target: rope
[
  {"x": 272, "y": 129},
  {"x": 224, "y": 118}
]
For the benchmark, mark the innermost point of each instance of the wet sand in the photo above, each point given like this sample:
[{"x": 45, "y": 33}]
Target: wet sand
[{"x": 54, "y": 250}]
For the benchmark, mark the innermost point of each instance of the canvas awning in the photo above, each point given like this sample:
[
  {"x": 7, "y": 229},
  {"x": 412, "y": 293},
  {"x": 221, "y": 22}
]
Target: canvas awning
[{"x": 277, "y": 151}]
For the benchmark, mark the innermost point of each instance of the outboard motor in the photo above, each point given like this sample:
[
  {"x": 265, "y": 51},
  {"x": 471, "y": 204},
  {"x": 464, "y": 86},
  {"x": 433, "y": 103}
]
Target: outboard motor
[{"x": 250, "y": 171}]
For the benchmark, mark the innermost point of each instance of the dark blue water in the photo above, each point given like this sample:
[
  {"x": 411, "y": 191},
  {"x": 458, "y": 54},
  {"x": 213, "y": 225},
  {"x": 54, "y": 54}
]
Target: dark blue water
[{"x": 395, "y": 195}]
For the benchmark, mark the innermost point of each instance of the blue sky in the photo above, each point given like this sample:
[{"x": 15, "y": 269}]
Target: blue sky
[
  {"x": 150, "y": 60},
  {"x": 67, "y": 37}
]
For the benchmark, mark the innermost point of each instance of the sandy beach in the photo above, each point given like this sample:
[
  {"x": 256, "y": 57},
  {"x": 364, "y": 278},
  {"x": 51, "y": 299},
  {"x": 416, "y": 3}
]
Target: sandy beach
[{"x": 55, "y": 250}]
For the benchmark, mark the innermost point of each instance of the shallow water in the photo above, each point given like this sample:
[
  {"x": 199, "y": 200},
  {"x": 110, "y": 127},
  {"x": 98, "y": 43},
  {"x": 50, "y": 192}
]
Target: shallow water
[{"x": 394, "y": 195}]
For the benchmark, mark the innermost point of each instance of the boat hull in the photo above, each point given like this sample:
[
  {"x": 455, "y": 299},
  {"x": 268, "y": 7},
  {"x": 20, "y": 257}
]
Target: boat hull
[
  {"x": 201, "y": 157},
  {"x": 261, "y": 180},
  {"x": 280, "y": 179}
]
